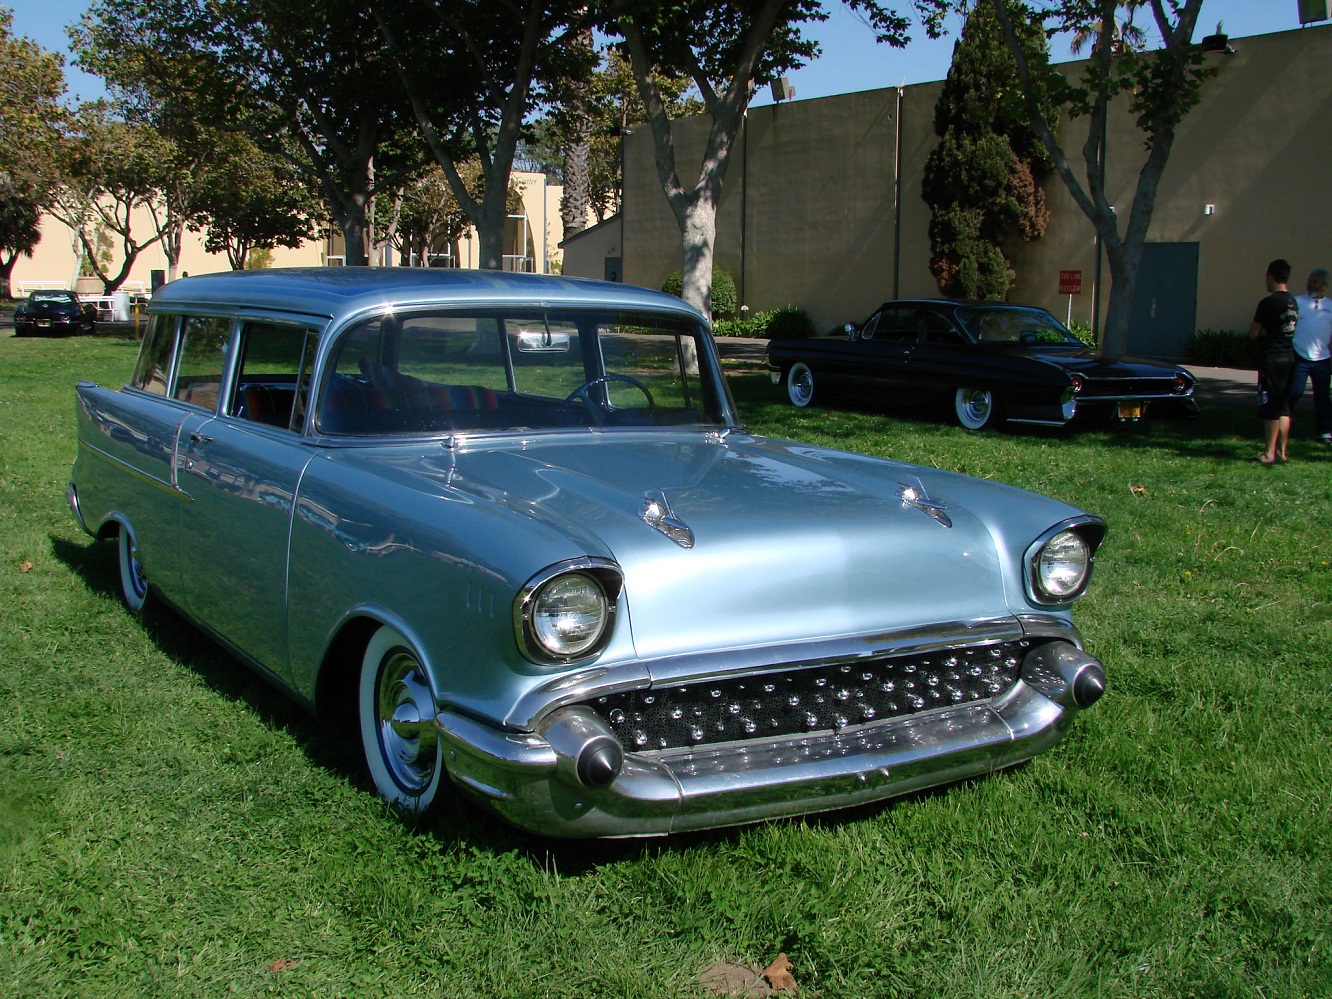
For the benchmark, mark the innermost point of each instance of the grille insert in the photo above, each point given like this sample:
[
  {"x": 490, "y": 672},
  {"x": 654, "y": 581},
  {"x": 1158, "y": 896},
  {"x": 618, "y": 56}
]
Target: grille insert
[{"x": 799, "y": 701}]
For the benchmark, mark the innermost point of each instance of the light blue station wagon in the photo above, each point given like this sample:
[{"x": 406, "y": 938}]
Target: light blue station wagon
[{"x": 510, "y": 528}]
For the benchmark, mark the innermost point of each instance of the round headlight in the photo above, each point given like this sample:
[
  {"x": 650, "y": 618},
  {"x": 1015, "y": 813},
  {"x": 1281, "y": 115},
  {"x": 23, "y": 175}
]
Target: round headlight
[
  {"x": 568, "y": 615},
  {"x": 1062, "y": 565}
]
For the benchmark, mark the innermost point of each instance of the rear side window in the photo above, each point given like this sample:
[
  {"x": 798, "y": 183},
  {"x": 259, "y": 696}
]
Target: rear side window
[
  {"x": 152, "y": 373},
  {"x": 203, "y": 356},
  {"x": 273, "y": 380}
]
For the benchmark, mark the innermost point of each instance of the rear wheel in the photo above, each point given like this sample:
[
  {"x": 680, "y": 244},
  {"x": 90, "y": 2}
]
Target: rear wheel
[
  {"x": 133, "y": 580},
  {"x": 800, "y": 384},
  {"x": 397, "y": 715},
  {"x": 975, "y": 408}
]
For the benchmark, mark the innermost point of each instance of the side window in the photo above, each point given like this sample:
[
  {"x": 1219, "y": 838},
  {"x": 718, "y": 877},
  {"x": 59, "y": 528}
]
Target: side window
[
  {"x": 896, "y": 324},
  {"x": 152, "y": 372},
  {"x": 273, "y": 379},
  {"x": 203, "y": 356},
  {"x": 871, "y": 327},
  {"x": 938, "y": 329}
]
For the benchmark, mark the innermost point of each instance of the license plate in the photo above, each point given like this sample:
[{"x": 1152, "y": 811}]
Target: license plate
[
  {"x": 43, "y": 322},
  {"x": 1130, "y": 410}
]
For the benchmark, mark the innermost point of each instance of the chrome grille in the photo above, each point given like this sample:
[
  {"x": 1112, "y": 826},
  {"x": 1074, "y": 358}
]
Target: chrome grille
[
  {"x": 798, "y": 701},
  {"x": 1127, "y": 388}
]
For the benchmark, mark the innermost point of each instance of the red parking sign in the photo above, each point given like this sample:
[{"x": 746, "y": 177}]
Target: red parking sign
[{"x": 1070, "y": 282}]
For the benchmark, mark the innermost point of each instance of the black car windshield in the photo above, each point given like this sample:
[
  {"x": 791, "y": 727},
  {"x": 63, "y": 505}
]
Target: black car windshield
[
  {"x": 518, "y": 369},
  {"x": 1015, "y": 326},
  {"x": 50, "y": 296}
]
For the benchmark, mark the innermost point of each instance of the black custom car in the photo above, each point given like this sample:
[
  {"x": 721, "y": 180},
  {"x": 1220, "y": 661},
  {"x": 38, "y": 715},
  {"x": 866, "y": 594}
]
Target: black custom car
[
  {"x": 54, "y": 313},
  {"x": 992, "y": 362}
]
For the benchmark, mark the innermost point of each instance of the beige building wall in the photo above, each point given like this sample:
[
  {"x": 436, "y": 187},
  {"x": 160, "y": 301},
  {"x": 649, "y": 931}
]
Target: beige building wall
[
  {"x": 808, "y": 216},
  {"x": 54, "y": 264}
]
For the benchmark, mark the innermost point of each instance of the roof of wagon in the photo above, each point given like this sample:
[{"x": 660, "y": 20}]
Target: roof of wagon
[{"x": 337, "y": 291}]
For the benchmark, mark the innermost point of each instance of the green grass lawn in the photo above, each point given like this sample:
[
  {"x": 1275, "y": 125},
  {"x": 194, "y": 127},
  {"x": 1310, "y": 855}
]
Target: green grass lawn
[{"x": 170, "y": 826}]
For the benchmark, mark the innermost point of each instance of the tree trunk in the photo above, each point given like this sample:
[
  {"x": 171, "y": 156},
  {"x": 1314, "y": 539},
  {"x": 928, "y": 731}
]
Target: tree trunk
[
  {"x": 6, "y": 272},
  {"x": 577, "y": 200},
  {"x": 173, "y": 239},
  {"x": 699, "y": 229}
]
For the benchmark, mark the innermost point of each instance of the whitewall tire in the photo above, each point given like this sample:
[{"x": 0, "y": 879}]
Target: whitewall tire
[
  {"x": 397, "y": 721},
  {"x": 800, "y": 384}
]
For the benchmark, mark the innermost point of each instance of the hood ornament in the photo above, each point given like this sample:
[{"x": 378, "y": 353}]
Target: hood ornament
[
  {"x": 656, "y": 513},
  {"x": 917, "y": 496}
]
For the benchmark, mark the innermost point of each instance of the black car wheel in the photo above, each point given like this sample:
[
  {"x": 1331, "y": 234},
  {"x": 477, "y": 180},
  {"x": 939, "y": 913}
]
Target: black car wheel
[
  {"x": 800, "y": 384},
  {"x": 976, "y": 408}
]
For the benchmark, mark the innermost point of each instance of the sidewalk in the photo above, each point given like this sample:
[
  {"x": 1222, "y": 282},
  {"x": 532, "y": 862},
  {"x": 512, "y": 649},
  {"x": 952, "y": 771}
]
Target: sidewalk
[{"x": 1216, "y": 386}]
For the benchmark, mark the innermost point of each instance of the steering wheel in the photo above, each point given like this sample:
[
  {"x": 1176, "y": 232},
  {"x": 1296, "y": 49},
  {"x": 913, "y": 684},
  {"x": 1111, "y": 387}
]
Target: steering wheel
[{"x": 581, "y": 392}]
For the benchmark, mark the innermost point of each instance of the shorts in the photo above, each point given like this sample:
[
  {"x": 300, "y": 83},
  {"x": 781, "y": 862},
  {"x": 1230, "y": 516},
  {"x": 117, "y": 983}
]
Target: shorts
[{"x": 1274, "y": 376}]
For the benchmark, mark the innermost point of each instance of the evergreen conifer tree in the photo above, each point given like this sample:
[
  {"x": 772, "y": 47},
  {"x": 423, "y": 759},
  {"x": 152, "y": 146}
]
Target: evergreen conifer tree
[{"x": 983, "y": 180}]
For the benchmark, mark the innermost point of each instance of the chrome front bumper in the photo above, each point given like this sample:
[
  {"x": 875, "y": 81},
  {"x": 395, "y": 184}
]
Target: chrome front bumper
[{"x": 538, "y": 783}]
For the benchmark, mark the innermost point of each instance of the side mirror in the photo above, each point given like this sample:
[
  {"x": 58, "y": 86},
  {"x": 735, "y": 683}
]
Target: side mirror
[{"x": 850, "y": 330}]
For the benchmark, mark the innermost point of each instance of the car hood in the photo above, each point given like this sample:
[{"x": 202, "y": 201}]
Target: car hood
[
  {"x": 1093, "y": 365},
  {"x": 790, "y": 542}
]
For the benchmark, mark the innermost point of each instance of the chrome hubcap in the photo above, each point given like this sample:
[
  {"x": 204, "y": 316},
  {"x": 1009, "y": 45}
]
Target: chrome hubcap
[
  {"x": 405, "y": 720},
  {"x": 977, "y": 406},
  {"x": 137, "y": 579},
  {"x": 801, "y": 388}
]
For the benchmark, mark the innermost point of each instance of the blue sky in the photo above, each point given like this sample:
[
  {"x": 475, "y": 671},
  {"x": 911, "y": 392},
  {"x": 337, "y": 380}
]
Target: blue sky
[{"x": 850, "y": 62}]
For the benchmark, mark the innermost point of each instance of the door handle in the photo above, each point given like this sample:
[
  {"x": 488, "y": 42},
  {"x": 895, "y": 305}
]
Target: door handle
[{"x": 197, "y": 438}]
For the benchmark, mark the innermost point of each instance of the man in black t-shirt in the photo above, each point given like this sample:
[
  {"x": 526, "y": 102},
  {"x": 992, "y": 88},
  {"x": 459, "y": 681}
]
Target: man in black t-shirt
[{"x": 1274, "y": 324}]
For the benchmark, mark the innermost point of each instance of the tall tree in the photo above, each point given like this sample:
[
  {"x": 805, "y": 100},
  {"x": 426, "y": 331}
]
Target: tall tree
[
  {"x": 254, "y": 200},
  {"x": 31, "y": 84},
  {"x": 983, "y": 180},
  {"x": 577, "y": 104},
  {"x": 114, "y": 172},
  {"x": 1161, "y": 87},
  {"x": 473, "y": 70},
  {"x": 20, "y": 232},
  {"x": 613, "y": 105},
  {"x": 725, "y": 47},
  {"x": 311, "y": 81}
]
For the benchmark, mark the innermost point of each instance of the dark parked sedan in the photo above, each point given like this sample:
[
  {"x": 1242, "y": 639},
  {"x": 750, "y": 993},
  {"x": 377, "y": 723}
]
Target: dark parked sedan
[
  {"x": 54, "y": 313},
  {"x": 991, "y": 361}
]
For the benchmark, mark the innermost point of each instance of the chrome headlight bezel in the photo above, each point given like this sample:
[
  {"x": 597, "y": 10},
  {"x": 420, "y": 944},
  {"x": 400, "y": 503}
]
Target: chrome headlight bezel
[
  {"x": 596, "y": 582},
  {"x": 1084, "y": 533}
]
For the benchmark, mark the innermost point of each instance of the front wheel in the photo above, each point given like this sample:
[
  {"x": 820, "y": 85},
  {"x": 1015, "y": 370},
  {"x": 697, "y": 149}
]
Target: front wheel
[
  {"x": 975, "y": 408},
  {"x": 800, "y": 384},
  {"x": 397, "y": 715},
  {"x": 133, "y": 580}
]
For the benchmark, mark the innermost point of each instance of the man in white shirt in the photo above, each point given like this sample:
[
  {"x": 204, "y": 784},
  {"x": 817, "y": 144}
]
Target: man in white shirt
[{"x": 1313, "y": 361}]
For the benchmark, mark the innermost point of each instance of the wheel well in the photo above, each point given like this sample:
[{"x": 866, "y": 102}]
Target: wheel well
[{"x": 340, "y": 672}]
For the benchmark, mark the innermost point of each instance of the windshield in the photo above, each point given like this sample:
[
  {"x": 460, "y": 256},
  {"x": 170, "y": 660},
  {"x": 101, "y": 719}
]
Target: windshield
[
  {"x": 1015, "y": 326},
  {"x": 50, "y": 296},
  {"x": 432, "y": 372}
]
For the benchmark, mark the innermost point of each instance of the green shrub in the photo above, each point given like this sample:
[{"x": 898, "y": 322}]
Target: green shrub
[
  {"x": 723, "y": 291},
  {"x": 786, "y": 323},
  {"x": 1083, "y": 332},
  {"x": 1223, "y": 349},
  {"x": 789, "y": 323}
]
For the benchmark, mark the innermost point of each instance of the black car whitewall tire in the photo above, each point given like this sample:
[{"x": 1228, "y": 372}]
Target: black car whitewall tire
[
  {"x": 397, "y": 715},
  {"x": 975, "y": 408},
  {"x": 133, "y": 580},
  {"x": 800, "y": 384}
]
